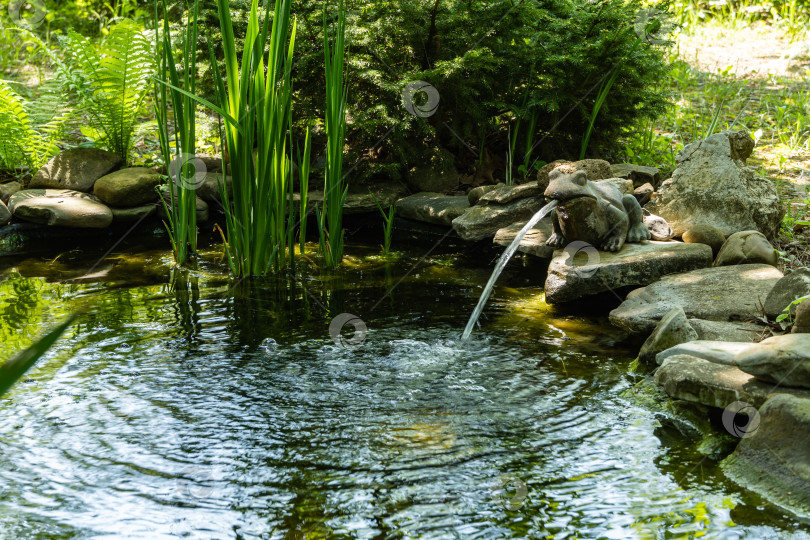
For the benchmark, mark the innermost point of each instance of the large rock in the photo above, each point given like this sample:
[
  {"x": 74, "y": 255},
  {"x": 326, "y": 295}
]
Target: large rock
[
  {"x": 712, "y": 186},
  {"x": 432, "y": 208},
  {"x": 717, "y": 352},
  {"x": 76, "y": 169},
  {"x": 639, "y": 174},
  {"x": 534, "y": 243},
  {"x": 726, "y": 293},
  {"x": 701, "y": 381},
  {"x": 484, "y": 220},
  {"x": 705, "y": 234},
  {"x": 5, "y": 213},
  {"x": 60, "y": 207},
  {"x": 789, "y": 288},
  {"x": 505, "y": 194},
  {"x": 8, "y": 189},
  {"x": 773, "y": 460},
  {"x": 595, "y": 169},
  {"x": 130, "y": 187},
  {"x": 783, "y": 360},
  {"x": 746, "y": 247},
  {"x": 671, "y": 331},
  {"x": 576, "y": 273}
]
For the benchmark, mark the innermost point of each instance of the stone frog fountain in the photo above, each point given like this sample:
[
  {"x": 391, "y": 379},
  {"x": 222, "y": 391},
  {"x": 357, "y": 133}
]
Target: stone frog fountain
[{"x": 593, "y": 212}]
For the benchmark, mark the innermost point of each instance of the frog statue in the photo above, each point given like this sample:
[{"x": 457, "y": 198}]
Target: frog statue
[{"x": 593, "y": 212}]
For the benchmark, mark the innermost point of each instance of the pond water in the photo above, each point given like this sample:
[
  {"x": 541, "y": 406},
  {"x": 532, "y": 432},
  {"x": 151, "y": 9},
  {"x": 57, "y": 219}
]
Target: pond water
[{"x": 193, "y": 406}]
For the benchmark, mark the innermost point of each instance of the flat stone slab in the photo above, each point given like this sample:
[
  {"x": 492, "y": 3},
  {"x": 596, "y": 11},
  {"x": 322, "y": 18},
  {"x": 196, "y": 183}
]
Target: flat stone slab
[
  {"x": 634, "y": 265},
  {"x": 432, "y": 208},
  {"x": 696, "y": 380},
  {"x": 725, "y": 293},
  {"x": 773, "y": 460},
  {"x": 727, "y": 331},
  {"x": 783, "y": 360},
  {"x": 719, "y": 352},
  {"x": 60, "y": 208},
  {"x": 484, "y": 220},
  {"x": 534, "y": 243}
]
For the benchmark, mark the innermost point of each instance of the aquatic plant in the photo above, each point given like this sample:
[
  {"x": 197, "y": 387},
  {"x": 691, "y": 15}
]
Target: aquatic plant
[
  {"x": 388, "y": 224},
  {"x": 303, "y": 188},
  {"x": 330, "y": 218},
  {"x": 178, "y": 154}
]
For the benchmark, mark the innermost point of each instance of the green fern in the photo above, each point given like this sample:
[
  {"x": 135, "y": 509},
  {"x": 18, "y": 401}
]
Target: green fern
[
  {"x": 23, "y": 145},
  {"x": 115, "y": 75}
]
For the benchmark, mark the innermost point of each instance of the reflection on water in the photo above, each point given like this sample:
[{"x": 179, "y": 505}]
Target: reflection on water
[{"x": 186, "y": 405}]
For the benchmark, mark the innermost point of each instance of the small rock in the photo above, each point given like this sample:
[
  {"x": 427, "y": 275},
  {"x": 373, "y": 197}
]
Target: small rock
[
  {"x": 432, "y": 208},
  {"x": 772, "y": 459},
  {"x": 639, "y": 174},
  {"x": 5, "y": 213},
  {"x": 60, "y": 207},
  {"x": 672, "y": 330},
  {"x": 718, "y": 352},
  {"x": 134, "y": 214},
  {"x": 801, "y": 324},
  {"x": 484, "y": 220},
  {"x": 476, "y": 193},
  {"x": 585, "y": 272},
  {"x": 595, "y": 169},
  {"x": 8, "y": 189},
  {"x": 726, "y": 293},
  {"x": 794, "y": 285},
  {"x": 705, "y": 234},
  {"x": 76, "y": 169},
  {"x": 126, "y": 188},
  {"x": 746, "y": 247},
  {"x": 782, "y": 360},
  {"x": 503, "y": 194},
  {"x": 658, "y": 226},
  {"x": 534, "y": 243},
  {"x": 643, "y": 192},
  {"x": 625, "y": 185}
]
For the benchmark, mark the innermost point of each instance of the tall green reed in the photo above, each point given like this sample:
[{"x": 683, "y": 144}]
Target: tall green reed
[
  {"x": 330, "y": 218},
  {"x": 178, "y": 155}
]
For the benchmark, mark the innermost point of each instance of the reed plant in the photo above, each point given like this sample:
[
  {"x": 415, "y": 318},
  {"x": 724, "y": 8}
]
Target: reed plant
[
  {"x": 179, "y": 148},
  {"x": 303, "y": 189},
  {"x": 330, "y": 217},
  {"x": 388, "y": 224}
]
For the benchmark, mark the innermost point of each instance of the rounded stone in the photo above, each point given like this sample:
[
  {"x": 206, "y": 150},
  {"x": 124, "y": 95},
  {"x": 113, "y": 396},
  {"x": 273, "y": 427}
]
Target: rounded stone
[
  {"x": 61, "y": 208},
  {"x": 705, "y": 234},
  {"x": 128, "y": 187},
  {"x": 801, "y": 324},
  {"x": 746, "y": 247}
]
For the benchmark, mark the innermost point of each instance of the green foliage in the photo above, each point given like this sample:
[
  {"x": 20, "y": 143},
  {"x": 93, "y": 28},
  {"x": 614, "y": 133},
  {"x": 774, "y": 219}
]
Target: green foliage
[
  {"x": 111, "y": 79},
  {"x": 12, "y": 370},
  {"x": 303, "y": 188},
  {"x": 181, "y": 208},
  {"x": 786, "y": 313},
  {"x": 330, "y": 218},
  {"x": 25, "y": 143},
  {"x": 388, "y": 224}
]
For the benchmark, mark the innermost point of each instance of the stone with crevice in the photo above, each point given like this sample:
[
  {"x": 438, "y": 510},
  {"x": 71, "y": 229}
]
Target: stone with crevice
[
  {"x": 725, "y": 293},
  {"x": 746, "y": 247},
  {"x": 574, "y": 274}
]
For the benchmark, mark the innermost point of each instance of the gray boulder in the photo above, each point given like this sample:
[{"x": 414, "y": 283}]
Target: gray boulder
[
  {"x": 581, "y": 270},
  {"x": 475, "y": 194},
  {"x": 432, "y": 208},
  {"x": 8, "y": 189},
  {"x": 130, "y": 187},
  {"x": 794, "y": 285},
  {"x": 705, "y": 234},
  {"x": 726, "y": 293},
  {"x": 5, "y": 213},
  {"x": 76, "y": 169},
  {"x": 671, "y": 331},
  {"x": 639, "y": 174},
  {"x": 61, "y": 208},
  {"x": 783, "y": 360},
  {"x": 484, "y": 220},
  {"x": 773, "y": 459},
  {"x": 746, "y": 247},
  {"x": 534, "y": 243},
  {"x": 712, "y": 186}
]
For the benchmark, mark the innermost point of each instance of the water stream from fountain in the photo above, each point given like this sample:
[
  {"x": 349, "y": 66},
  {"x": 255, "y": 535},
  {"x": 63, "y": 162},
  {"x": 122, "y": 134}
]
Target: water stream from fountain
[{"x": 507, "y": 254}]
